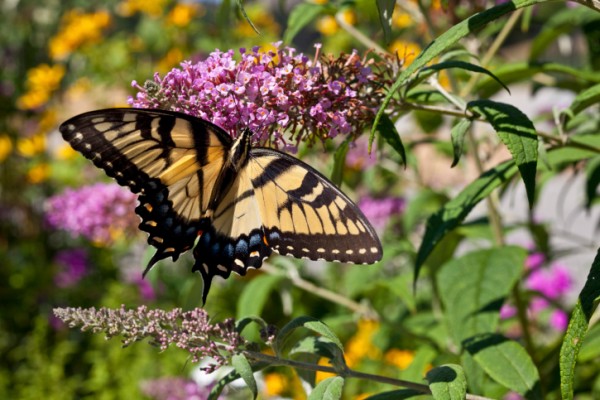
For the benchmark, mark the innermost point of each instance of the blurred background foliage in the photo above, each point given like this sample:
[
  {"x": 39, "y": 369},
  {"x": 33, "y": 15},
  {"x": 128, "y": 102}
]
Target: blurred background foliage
[{"x": 60, "y": 58}]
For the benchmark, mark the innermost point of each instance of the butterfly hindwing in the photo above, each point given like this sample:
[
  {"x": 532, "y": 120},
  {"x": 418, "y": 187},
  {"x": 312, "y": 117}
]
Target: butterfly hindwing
[
  {"x": 305, "y": 215},
  {"x": 171, "y": 160}
]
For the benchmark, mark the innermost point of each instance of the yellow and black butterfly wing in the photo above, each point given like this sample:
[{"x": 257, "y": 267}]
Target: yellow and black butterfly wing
[
  {"x": 170, "y": 159},
  {"x": 305, "y": 215},
  {"x": 278, "y": 203}
]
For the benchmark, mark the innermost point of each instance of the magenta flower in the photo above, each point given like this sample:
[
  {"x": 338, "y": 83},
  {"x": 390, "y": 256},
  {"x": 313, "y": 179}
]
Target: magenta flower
[
  {"x": 358, "y": 156},
  {"x": 101, "y": 212},
  {"x": 552, "y": 282},
  {"x": 379, "y": 211},
  {"x": 192, "y": 331},
  {"x": 73, "y": 267},
  {"x": 507, "y": 311},
  {"x": 535, "y": 260},
  {"x": 271, "y": 93},
  {"x": 559, "y": 320}
]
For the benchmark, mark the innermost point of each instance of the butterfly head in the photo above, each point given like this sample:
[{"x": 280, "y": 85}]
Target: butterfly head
[{"x": 238, "y": 154}]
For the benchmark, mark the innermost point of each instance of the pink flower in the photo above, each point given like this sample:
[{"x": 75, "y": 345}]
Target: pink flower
[
  {"x": 379, "y": 211},
  {"x": 535, "y": 260},
  {"x": 552, "y": 282},
  {"x": 73, "y": 267},
  {"x": 559, "y": 320}
]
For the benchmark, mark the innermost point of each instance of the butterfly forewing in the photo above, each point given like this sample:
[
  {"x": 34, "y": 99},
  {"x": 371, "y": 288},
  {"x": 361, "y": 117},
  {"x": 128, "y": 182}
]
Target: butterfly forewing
[
  {"x": 171, "y": 160},
  {"x": 305, "y": 215}
]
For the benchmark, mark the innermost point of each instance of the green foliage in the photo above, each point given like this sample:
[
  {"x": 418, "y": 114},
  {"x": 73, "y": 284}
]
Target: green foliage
[{"x": 432, "y": 318}]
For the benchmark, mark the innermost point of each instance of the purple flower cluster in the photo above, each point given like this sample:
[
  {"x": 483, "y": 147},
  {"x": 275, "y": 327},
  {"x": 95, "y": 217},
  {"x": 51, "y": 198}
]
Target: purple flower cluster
[
  {"x": 174, "y": 388},
  {"x": 73, "y": 267},
  {"x": 379, "y": 211},
  {"x": 101, "y": 212},
  {"x": 271, "y": 92},
  {"x": 191, "y": 331},
  {"x": 552, "y": 283}
]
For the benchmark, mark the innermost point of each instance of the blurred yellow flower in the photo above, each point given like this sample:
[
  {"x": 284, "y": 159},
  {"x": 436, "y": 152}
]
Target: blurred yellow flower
[
  {"x": 320, "y": 375},
  {"x": 407, "y": 51},
  {"x": 361, "y": 345},
  {"x": 32, "y": 146},
  {"x": 320, "y": 1},
  {"x": 400, "y": 358},
  {"x": 348, "y": 16},
  {"x": 77, "y": 28},
  {"x": 65, "y": 152},
  {"x": 327, "y": 25},
  {"x": 275, "y": 384},
  {"x": 41, "y": 82},
  {"x": 170, "y": 60},
  {"x": 6, "y": 147},
  {"x": 182, "y": 13},
  {"x": 153, "y": 8},
  {"x": 38, "y": 173},
  {"x": 401, "y": 19}
]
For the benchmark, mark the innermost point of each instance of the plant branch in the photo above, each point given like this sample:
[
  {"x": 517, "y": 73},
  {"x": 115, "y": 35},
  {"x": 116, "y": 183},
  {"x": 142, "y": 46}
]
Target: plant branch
[
  {"x": 346, "y": 373},
  {"x": 298, "y": 281},
  {"x": 358, "y": 35}
]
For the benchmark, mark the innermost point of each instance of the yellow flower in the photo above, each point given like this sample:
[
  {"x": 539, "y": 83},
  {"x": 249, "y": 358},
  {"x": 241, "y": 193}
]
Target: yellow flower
[
  {"x": 401, "y": 20},
  {"x": 77, "y": 29},
  {"x": 360, "y": 345},
  {"x": 65, "y": 152},
  {"x": 275, "y": 383},
  {"x": 31, "y": 146},
  {"x": 38, "y": 173},
  {"x": 407, "y": 51},
  {"x": 5, "y": 147},
  {"x": 182, "y": 14},
  {"x": 41, "y": 82},
  {"x": 153, "y": 8},
  {"x": 320, "y": 375},
  {"x": 321, "y": 2},
  {"x": 327, "y": 25},
  {"x": 348, "y": 16},
  {"x": 400, "y": 358},
  {"x": 170, "y": 60}
]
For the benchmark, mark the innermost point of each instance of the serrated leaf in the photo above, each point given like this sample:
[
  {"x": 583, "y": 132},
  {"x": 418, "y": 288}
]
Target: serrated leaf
[
  {"x": 444, "y": 42},
  {"x": 385, "y": 9},
  {"x": 456, "y": 210},
  {"x": 399, "y": 394},
  {"x": 328, "y": 389},
  {"x": 578, "y": 325},
  {"x": 457, "y": 135},
  {"x": 447, "y": 382},
  {"x": 306, "y": 322},
  {"x": 473, "y": 288},
  {"x": 506, "y": 362},
  {"x": 300, "y": 16},
  {"x": 466, "y": 66},
  {"x": 518, "y": 134},
  {"x": 242, "y": 367},
  {"x": 387, "y": 130},
  {"x": 339, "y": 163}
]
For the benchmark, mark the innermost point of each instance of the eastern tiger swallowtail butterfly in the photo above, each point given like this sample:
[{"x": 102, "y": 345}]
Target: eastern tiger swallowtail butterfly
[{"x": 236, "y": 203}]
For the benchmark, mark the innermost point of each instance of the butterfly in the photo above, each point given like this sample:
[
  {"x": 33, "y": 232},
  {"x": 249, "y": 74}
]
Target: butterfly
[{"x": 233, "y": 203}]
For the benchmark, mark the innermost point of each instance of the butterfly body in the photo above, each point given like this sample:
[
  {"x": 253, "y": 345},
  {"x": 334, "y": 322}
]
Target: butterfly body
[{"x": 235, "y": 203}]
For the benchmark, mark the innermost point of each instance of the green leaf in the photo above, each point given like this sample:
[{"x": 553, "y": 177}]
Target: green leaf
[
  {"x": 243, "y": 11},
  {"x": 590, "y": 348},
  {"x": 592, "y": 171},
  {"x": 507, "y": 363},
  {"x": 456, "y": 210},
  {"x": 447, "y": 382},
  {"x": 578, "y": 325},
  {"x": 457, "y": 135},
  {"x": 339, "y": 163},
  {"x": 518, "y": 134},
  {"x": 328, "y": 389},
  {"x": 306, "y": 322},
  {"x": 300, "y": 16},
  {"x": 560, "y": 23},
  {"x": 444, "y": 42},
  {"x": 316, "y": 345},
  {"x": 424, "y": 356},
  {"x": 473, "y": 288},
  {"x": 386, "y": 9},
  {"x": 230, "y": 377},
  {"x": 467, "y": 66},
  {"x": 396, "y": 395},
  {"x": 585, "y": 99},
  {"x": 242, "y": 367},
  {"x": 387, "y": 130},
  {"x": 256, "y": 293}
]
